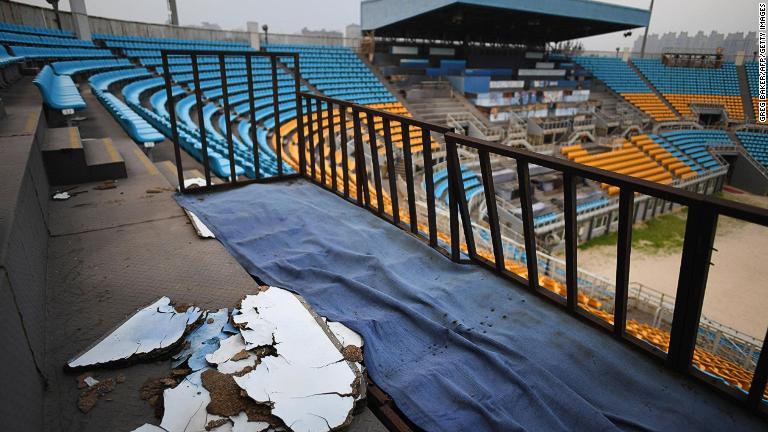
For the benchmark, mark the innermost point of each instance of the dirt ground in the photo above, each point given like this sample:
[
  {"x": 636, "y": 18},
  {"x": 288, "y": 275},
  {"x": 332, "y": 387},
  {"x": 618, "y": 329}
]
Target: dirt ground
[{"x": 737, "y": 289}]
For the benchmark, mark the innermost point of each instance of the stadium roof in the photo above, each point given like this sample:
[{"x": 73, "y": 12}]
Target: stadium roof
[{"x": 507, "y": 21}]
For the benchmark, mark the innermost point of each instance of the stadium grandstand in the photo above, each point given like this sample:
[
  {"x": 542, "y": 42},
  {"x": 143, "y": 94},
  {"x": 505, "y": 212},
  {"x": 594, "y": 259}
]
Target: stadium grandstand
[{"x": 433, "y": 192}]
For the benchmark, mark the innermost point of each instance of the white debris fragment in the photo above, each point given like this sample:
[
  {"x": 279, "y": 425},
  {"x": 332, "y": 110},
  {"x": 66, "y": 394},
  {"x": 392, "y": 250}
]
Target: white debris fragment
[
  {"x": 241, "y": 424},
  {"x": 61, "y": 196},
  {"x": 203, "y": 340},
  {"x": 345, "y": 335},
  {"x": 308, "y": 383},
  {"x": 153, "y": 328},
  {"x": 256, "y": 330},
  {"x": 194, "y": 181},
  {"x": 90, "y": 381},
  {"x": 200, "y": 228},
  {"x": 233, "y": 346},
  {"x": 185, "y": 406},
  {"x": 149, "y": 428}
]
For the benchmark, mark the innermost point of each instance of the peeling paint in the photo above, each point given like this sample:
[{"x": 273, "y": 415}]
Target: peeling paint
[
  {"x": 149, "y": 331},
  {"x": 308, "y": 383}
]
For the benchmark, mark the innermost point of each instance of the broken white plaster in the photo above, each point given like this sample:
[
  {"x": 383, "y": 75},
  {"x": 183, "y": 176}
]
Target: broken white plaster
[
  {"x": 152, "y": 328},
  {"x": 61, "y": 196},
  {"x": 309, "y": 383},
  {"x": 256, "y": 330},
  {"x": 228, "y": 348},
  {"x": 149, "y": 428},
  {"x": 200, "y": 228},
  {"x": 90, "y": 381},
  {"x": 194, "y": 181},
  {"x": 345, "y": 335},
  {"x": 241, "y": 424},
  {"x": 203, "y": 340},
  {"x": 185, "y": 406}
]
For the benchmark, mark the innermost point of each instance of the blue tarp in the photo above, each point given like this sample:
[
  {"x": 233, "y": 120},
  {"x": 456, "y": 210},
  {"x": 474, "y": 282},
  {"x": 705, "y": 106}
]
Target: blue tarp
[{"x": 456, "y": 347}]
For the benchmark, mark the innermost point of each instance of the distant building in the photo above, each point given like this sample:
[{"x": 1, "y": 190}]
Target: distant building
[
  {"x": 322, "y": 33},
  {"x": 730, "y": 43}
]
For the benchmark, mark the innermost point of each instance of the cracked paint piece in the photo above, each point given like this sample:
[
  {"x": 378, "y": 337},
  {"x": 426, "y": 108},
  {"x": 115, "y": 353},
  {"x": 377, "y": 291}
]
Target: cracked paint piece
[
  {"x": 202, "y": 341},
  {"x": 242, "y": 424},
  {"x": 309, "y": 383},
  {"x": 255, "y": 329},
  {"x": 229, "y": 358},
  {"x": 200, "y": 228},
  {"x": 185, "y": 406},
  {"x": 150, "y": 331},
  {"x": 345, "y": 335},
  {"x": 90, "y": 381},
  {"x": 149, "y": 428}
]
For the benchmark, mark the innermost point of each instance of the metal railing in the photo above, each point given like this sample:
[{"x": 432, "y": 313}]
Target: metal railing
[
  {"x": 459, "y": 243},
  {"x": 359, "y": 169},
  {"x": 255, "y": 156}
]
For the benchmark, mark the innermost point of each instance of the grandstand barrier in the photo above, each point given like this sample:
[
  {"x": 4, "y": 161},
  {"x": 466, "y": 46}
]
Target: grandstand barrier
[
  {"x": 460, "y": 246},
  {"x": 232, "y": 180},
  {"x": 361, "y": 173}
]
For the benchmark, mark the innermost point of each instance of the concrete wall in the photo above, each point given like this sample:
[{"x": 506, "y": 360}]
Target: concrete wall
[
  {"x": 19, "y": 13},
  {"x": 23, "y": 268}
]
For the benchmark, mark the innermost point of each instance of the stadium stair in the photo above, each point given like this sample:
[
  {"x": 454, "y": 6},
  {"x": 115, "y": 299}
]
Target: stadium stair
[
  {"x": 70, "y": 160},
  {"x": 653, "y": 88},
  {"x": 746, "y": 96}
]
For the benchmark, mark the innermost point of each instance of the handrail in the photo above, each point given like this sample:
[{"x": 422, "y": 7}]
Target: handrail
[{"x": 377, "y": 190}]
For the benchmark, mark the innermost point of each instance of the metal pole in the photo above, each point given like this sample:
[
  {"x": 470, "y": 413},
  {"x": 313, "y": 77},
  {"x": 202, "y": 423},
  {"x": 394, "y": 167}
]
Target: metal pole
[{"x": 645, "y": 36}]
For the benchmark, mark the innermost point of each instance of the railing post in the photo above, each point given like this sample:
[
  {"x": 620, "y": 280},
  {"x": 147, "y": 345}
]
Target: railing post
[
  {"x": 490, "y": 205},
  {"x": 760, "y": 377},
  {"x": 311, "y": 138},
  {"x": 571, "y": 240},
  {"x": 227, "y": 119},
  {"x": 299, "y": 115},
  {"x": 200, "y": 120},
  {"x": 408, "y": 162},
  {"x": 694, "y": 269},
  {"x": 429, "y": 185},
  {"x": 526, "y": 205},
  {"x": 252, "y": 119},
  {"x": 276, "y": 105},
  {"x": 453, "y": 209},
  {"x": 344, "y": 148},
  {"x": 623, "y": 252},
  {"x": 174, "y": 125},
  {"x": 360, "y": 176}
]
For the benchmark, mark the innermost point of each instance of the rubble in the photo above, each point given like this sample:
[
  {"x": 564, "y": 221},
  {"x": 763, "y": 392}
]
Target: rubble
[
  {"x": 270, "y": 365},
  {"x": 150, "y": 331}
]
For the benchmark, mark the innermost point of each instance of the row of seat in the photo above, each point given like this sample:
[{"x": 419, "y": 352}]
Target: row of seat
[
  {"x": 18, "y": 28},
  {"x": 694, "y": 145},
  {"x": 134, "y": 125},
  {"x": 628, "y": 159},
  {"x": 58, "y": 91},
  {"x": 55, "y": 53},
  {"x": 756, "y": 144},
  {"x": 29, "y": 39},
  {"x": 72, "y": 67}
]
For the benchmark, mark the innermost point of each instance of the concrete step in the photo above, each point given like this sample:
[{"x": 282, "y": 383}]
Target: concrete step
[
  {"x": 168, "y": 170},
  {"x": 103, "y": 160},
  {"x": 64, "y": 156}
]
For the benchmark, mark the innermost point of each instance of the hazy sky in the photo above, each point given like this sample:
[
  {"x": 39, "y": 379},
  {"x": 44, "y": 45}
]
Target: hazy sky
[{"x": 290, "y": 16}]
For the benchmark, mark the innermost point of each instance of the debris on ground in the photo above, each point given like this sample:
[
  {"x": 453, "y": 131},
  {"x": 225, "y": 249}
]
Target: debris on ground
[
  {"x": 271, "y": 364},
  {"x": 149, "y": 332},
  {"x": 200, "y": 228},
  {"x": 61, "y": 196},
  {"x": 107, "y": 184},
  {"x": 90, "y": 395}
]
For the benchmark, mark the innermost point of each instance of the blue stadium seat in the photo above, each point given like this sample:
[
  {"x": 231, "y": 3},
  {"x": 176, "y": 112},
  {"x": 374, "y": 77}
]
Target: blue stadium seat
[{"x": 58, "y": 91}]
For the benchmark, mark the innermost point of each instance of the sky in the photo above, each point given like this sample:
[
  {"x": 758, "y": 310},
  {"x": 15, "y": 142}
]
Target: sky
[{"x": 290, "y": 16}]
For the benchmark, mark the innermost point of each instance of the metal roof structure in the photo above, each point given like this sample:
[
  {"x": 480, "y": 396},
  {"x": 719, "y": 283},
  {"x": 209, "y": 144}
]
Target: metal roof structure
[{"x": 505, "y": 21}]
